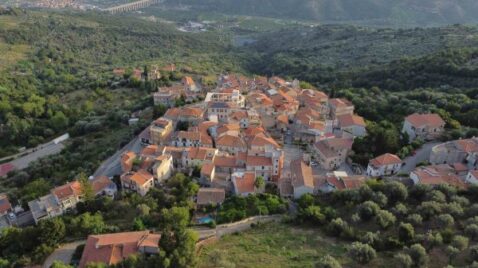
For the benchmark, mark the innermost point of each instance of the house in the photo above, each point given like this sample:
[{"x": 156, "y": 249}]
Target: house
[
  {"x": 160, "y": 130},
  {"x": 111, "y": 249},
  {"x": 339, "y": 180},
  {"x": 198, "y": 156},
  {"x": 301, "y": 178},
  {"x": 103, "y": 185},
  {"x": 437, "y": 174},
  {"x": 234, "y": 97},
  {"x": 188, "y": 139},
  {"x": 423, "y": 126},
  {"x": 352, "y": 124},
  {"x": 244, "y": 183},
  {"x": 472, "y": 177},
  {"x": 208, "y": 172},
  {"x": 226, "y": 165},
  {"x": 45, "y": 207},
  {"x": 458, "y": 151},
  {"x": 338, "y": 107},
  {"x": 163, "y": 168},
  {"x": 331, "y": 153},
  {"x": 231, "y": 143},
  {"x": 210, "y": 196},
  {"x": 140, "y": 182},
  {"x": 168, "y": 96},
  {"x": 221, "y": 110},
  {"x": 127, "y": 161},
  {"x": 192, "y": 115},
  {"x": 386, "y": 164},
  {"x": 189, "y": 84},
  {"x": 68, "y": 195}
]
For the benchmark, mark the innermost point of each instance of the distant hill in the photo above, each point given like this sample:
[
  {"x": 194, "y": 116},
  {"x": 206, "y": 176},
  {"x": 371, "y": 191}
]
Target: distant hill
[{"x": 368, "y": 12}]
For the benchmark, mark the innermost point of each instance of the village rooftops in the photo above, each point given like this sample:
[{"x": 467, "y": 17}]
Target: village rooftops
[
  {"x": 111, "y": 249},
  {"x": 140, "y": 177},
  {"x": 5, "y": 205},
  {"x": 301, "y": 174},
  {"x": 244, "y": 182},
  {"x": 207, "y": 196},
  {"x": 421, "y": 120},
  {"x": 340, "y": 102},
  {"x": 385, "y": 159},
  {"x": 348, "y": 120},
  {"x": 67, "y": 190}
]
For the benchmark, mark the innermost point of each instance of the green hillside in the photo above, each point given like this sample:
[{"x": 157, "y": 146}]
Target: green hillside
[{"x": 371, "y": 12}]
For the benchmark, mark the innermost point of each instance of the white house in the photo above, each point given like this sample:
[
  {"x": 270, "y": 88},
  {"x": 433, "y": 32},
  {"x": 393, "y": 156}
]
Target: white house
[
  {"x": 472, "y": 177},
  {"x": 423, "y": 126},
  {"x": 386, "y": 164}
]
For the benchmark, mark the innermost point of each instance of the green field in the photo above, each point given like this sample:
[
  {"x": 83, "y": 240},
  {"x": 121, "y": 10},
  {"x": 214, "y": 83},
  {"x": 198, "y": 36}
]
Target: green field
[{"x": 278, "y": 245}]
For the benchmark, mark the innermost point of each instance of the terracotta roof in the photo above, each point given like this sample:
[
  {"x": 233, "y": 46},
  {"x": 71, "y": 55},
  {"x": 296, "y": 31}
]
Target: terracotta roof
[
  {"x": 262, "y": 140},
  {"x": 161, "y": 122},
  {"x": 100, "y": 183},
  {"x": 191, "y": 112},
  {"x": 238, "y": 115},
  {"x": 282, "y": 118},
  {"x": 468, "y": 145},
  {"x": 172, "y": 113},
  {"x": 228, "y": 127},
  {"x": 341, "y": 143},
  {"x": 349, "y": 182},
  {"x": 419, "y": 120},
  {"x": 340, "y": 102},
  {"x": 114, "y": 248},
  {"x": 301, "y": 174},
  {"x": 351, "y": 120},
  {"x": 189, "y": 135},
  {"x": 188, "y": 81},
  {"x": 438, "y": 174},
  {"x": 245, "y": 183},
  {"x": 258, "y": 161},
  {"x": 207, "y": 169},
  {"x": 230, "y": 141},
  {"x": 149, "y": 150},
  {"x": 68, "y": 190},
  {"x": 460, "y": 167},
  {"x": 385, "y": 159},
  {"x": 5, "y": 205},
  {"x": 225, "y": 161},
  {"x": 200, "y": 153},
  {"x": 207, "y": 196},
  {"x": 253, "y": 131},
  {"x": 204, "y": 126},
  {"x": 141, "y": 177}
]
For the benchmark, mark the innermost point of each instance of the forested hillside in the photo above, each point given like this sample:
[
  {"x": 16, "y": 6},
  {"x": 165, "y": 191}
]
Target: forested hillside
[{"x": 370, "y": 12}]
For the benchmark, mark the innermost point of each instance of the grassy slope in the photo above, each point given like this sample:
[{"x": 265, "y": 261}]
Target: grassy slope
[{"x": 278, "y": 245}]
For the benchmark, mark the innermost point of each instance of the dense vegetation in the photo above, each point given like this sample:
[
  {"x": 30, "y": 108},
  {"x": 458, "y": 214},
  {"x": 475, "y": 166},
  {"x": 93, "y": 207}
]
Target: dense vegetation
[{"x": 374, "y": 12}]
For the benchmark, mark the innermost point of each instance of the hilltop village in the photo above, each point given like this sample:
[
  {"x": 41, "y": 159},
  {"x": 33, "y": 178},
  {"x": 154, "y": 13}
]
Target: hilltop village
[{"x": 248, "y": 136}]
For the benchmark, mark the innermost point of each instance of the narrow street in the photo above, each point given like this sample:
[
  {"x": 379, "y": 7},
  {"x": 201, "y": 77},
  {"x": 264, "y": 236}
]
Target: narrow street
[{"x": 421, "y": 155}]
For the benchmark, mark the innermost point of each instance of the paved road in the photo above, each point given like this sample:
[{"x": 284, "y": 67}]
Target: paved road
[
  {"x": 63, "y": 254},
  {"x": 422, "y": 154},
  {"x": 46, "y": 150},
  {"x": 112, "y": 166}
]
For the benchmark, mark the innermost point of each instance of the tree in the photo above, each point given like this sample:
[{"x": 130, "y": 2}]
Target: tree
[
  {"x": 51, "y": 231},
  {"x": 86, "y": 187},
  {"x": 177, "y": 244},
  {"x": 59, "y": 264},
  {"x": 415, "y": 219},
  {"x": 328, "y": 261},
  {"x": 59, "y": 121},
  {"x": 361, "y": 253},
  {"x": 460, "y": 242},
  {"x": 313, "y": 213},
  {"x": 472, "y": 231},
  {"x": 385, "y": 219},
  {"x": 86, "y": 224},
  {"x": 445, "y": 220},
  {"x": 395, "y": 191},
  {"x": 418, "y": 255},
  {"x": 367, "y": 210},
  {"x": 474, "y": 252},
  {"x": 406, "y": 232},
  {"x": 404, "y": 260},
  {"x": 259, "y": 183},
  {"x": 451, "y": 251}
]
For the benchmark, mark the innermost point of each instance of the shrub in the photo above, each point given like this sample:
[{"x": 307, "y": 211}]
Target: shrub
[
  {"x": 313, "y": 214},
  {"x": 463, "y": 201},
  {"x": 370, "y": 238},
  {"x": 328, "y": 262},
  {"x": 400, "y": 209},
  {"x": 454, "y": 208},
  {"x": 472, "y": 231},
  {"x": 404, "y": 260},
  {"x": 367, "y": 210},
  {"x": 406, "y": 232},
  {"x": 474, "y": 253},
  {"x": 460, "y": 242},
  {"x": 429, "y": 209},
  {"x": 436, "y": 196},
  {"x": 445, "y": 220},
  {"x": 361, "y": 253},
  {"x": 339, "y": 227},
  {"x": 385, "y": 219},
  {"x": 380, "y": 199},
  {"x": 395, "y": 191},
  {"x": 418, "y": 255},
  {"x": 415, "y": 219},
  {"x": 431, "y": 240}
]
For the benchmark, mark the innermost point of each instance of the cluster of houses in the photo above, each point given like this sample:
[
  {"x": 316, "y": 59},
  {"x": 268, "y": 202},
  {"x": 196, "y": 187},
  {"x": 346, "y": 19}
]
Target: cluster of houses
[{"x": 236, "y": 136}]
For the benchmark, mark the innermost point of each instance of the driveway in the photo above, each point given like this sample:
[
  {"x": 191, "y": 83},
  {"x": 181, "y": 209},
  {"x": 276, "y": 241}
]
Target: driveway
[
  {"x": 62, "y": 254},
  {"x": 422, "y": 154}
]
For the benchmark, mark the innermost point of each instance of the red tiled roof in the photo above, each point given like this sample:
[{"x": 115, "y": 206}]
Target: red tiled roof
[
  {"x": 100, "y": 183},
  {"x": 301, "y": 174},
  {"x": 114, "y": 248},
  {"x": 263, "y": 140},
  {"x": 258, "y": 161},
  {"x": 68, "y": 190},
  {"x": 231, "y": 141},
  {"x": 385, "y": 159},
  {"x": 207, "y": 169},
  {"x": 419, "y": 120},
  {"x": 207, "y": 196},
  {"x": 6, "y": 168},
  {"x": 245, "y": 184},
  {"x": 351, "y": 120},
  {"x": 141, "y": 177},
  {"x": 468, "y": 145},
  {"x": 5, "y": 205}
]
